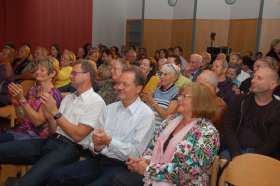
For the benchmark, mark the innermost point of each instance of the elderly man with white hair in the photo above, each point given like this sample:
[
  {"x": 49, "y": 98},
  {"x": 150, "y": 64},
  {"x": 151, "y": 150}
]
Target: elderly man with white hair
[{"x": 196, "y": 62}]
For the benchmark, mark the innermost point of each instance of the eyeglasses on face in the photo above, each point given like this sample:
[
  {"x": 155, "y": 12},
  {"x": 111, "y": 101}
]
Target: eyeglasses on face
[
  {"x": 183, "y": 96},
  {"x": 74, "y": 73}
]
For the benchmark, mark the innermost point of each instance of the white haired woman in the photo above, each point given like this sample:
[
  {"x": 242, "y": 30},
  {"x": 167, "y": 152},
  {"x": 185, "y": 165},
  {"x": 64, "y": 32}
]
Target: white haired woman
[{"x": 164, "y": 102}]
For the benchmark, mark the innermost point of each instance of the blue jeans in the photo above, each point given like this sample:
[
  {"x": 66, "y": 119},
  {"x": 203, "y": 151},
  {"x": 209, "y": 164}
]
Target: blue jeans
[
  {"x": 46, "y": 155},
  {"x": 94, "y": 171},
  {"x": 127, "y": 178}
]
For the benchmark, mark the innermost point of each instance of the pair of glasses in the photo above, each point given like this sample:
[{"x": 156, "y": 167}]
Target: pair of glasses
[
  {"x": 74, "y": 73},
  {"x": 183, "y": 96}
]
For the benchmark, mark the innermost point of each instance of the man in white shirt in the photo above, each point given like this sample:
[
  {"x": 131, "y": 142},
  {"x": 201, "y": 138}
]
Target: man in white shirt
[
  {"x": 123, "y": 130},
  {"x": 71, "y": 126}
]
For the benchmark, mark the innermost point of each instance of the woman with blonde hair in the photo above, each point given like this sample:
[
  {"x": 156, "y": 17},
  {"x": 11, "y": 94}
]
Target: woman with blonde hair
[
  {"x": 29, "y": 109},
  {"x": 183, "y": 148},
  {"x": 63, "y": 81}
]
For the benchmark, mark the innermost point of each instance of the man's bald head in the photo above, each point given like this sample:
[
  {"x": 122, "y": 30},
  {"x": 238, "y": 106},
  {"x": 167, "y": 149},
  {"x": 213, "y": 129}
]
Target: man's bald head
[
  {"x": 196, "y": 61},
  {"x": 208, "y": 78}
]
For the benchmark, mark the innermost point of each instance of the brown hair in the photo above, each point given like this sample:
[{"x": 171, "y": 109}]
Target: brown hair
[
  {"x": 86, "y": 67},
  {"x": 203, "y": 101},
  {"x": 139, "y": 77}
]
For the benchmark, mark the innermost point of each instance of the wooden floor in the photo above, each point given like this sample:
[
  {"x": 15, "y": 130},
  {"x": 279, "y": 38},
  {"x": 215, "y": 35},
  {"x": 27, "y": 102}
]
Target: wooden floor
[{"x": 9, "y": 171}]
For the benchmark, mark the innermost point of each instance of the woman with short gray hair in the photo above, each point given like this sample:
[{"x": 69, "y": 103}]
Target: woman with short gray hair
[{"x": 164, "y": 102}]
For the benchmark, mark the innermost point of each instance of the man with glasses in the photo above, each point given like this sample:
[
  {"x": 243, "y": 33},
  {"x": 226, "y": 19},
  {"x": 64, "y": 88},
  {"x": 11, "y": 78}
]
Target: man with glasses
[
  {"x": 122, "y": 131},
  {"x": 70, "y": 125}
]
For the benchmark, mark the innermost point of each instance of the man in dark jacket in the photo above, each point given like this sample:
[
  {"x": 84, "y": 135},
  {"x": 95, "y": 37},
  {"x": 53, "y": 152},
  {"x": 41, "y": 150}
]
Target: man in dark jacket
[{"x": 252, "y": 122}]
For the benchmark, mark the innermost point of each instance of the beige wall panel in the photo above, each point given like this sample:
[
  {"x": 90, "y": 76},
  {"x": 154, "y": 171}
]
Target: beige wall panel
[
  {"x": 270, "y": 31},
  {"x": 157, "y": 34},
  {"x": 182, "y": 35},
  {"x": 203, "y": 29},
  {"x": 242, "y": 35}
]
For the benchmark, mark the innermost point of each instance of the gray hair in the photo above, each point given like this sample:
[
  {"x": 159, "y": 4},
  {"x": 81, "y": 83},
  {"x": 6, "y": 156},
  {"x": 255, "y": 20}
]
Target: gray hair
[
  {"x": 210, "y": 77},
  {"x": 171, "y": 68}
]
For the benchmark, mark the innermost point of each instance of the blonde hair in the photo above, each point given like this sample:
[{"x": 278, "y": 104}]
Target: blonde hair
[
  {"x": 27, "y": 51},
  {"x": 71, "y": 56},
  {"x": 203, "y": 101}
]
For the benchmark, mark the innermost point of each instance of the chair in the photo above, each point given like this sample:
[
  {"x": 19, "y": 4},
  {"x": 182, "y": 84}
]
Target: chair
[
  {"x": 8, "y": 111},
  {"x": 251, "y": 169}
]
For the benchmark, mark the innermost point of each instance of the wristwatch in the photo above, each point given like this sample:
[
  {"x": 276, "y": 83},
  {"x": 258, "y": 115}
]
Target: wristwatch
[{"x": 57, "y": 115}]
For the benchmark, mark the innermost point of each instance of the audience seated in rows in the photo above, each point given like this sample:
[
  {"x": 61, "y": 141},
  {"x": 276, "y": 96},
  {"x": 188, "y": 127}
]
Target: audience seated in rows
[
  {"x": 84, "y": 126},
  {"x": 71, "y": 123}
]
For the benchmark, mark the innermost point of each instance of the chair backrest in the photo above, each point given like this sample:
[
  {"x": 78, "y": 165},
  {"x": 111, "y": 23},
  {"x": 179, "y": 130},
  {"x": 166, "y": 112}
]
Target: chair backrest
[
  {"x": 26, "y": 85},
  {"x": 252, "y": 169}
]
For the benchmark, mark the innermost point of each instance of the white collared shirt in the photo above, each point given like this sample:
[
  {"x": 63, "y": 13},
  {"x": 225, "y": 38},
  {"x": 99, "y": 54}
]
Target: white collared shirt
[
  {"x": 242, "y": 76},
  {"x": 131, "y": 129},
  {"x": 84, "y": 109}
]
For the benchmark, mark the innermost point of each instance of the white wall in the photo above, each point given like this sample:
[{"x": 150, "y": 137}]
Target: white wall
[
  {"x": 213, "y": 9},
  {"x": 134, "y": 9},
  {"x": 109, "y": 17},
  {"x": 158, "y": 9},
  {"x": 183, "y": 9},
  {"x": 109, "y": 20},
  {"x": 245, "y": 9},
  {"x": 271, "y": 9}
]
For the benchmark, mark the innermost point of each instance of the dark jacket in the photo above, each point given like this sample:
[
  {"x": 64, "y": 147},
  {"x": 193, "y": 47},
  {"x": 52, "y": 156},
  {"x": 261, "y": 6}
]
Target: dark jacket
[{"x": 247, "y": 125}]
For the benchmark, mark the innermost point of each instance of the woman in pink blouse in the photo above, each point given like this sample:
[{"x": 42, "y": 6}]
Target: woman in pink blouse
[
  {"x": 29, "y": 109},
  {"x": 183, "y": 148}
]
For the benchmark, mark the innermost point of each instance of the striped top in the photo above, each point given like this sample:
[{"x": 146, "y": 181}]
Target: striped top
[{"x": 163, "y": 98}]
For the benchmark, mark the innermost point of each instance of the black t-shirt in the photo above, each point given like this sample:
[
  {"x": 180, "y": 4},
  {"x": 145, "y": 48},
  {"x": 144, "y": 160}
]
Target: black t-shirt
[{"x": 255, "y": 125}]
